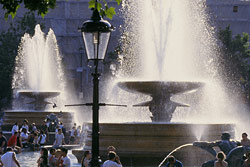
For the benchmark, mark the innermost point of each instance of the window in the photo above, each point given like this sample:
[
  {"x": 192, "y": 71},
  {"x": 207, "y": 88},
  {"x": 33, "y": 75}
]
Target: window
[{"x": 235, "y": 9}]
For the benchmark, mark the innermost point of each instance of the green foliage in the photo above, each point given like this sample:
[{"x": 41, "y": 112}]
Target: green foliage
[
  {"x": 9, "y": 42},
  {"x": 41, "y": 6},
  {"x": 235, "y": 59},
  {"x": 103, "y": 8}
]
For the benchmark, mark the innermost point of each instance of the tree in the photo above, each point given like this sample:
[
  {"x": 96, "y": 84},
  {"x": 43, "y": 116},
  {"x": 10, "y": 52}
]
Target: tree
[
  {"x": 9, "y": 42},
  {"x": 42, "y": 6},
  {"x": 234, "y": 60}
]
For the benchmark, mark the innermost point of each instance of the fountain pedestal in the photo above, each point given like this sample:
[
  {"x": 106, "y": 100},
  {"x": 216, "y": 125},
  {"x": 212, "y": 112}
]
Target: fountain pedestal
[{"x": 161, "y": 106}]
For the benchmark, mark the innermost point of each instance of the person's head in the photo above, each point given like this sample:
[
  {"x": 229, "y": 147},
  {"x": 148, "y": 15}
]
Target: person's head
[
  {"x": 171, "y": 159},
  {"x": 44, "y": 152},
  {"x": 220, "y": 156},
  {"x": 33, "y": 124},
  {"x": 111, "y": 155},
  {"x": 15, "y": 123},
  {"x": 74, "y": 127},
  {"x": 74, "y": 124},
  {"x": 52, "y": 151},
  {"x": 24, "y": 130},
  {"x": 9, "y": 149},
  {"x": 111, "y": 148},
  {"x": 79, "y": 127},
  {"x": 41, "y": 132},
  {"x": 59, "y": 131},
  {"x": 64, "y": 151},
  {"x": 87, "y": 154},
  {"x": 58, "y": 153},
  {"x": 225, "y": 136},
  {"x": 1, "y": 134},
  {"x": 244, "y": 136},
  {"x": 25, "y": 122}
]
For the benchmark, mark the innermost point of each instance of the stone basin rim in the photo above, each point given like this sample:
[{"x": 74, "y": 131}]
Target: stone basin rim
[{"x": 160, "y": 87}]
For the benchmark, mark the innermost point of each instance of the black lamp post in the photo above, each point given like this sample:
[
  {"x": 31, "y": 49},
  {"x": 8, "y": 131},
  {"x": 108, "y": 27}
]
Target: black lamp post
[{"x": 96, "y": 33}]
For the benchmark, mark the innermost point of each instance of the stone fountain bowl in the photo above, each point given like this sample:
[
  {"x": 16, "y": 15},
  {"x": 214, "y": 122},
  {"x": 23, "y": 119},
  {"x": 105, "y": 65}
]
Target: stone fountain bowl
[
  {"x": 38, "y": 94},
  {"x": 160, "y": 87}
]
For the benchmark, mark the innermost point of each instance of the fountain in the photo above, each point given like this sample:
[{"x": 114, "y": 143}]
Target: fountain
[
  {"x": 160, "y": 106},
  {"x": 172, "y": 59},
  {"x": 37, "y": 81}
]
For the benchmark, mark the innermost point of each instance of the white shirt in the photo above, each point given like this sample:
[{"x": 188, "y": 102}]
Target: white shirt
[
  {"x": 72, "y": 132},
  {"x": 43, "y": 138},
  {"x": 26, "y": 127},
  {"x": 59, "y": 139},
  {"x": 110, "y": 163},
  {"x": 14, "y": 129},
  {"x": 66, "y": 161},
  {"x": 7, "y": 159},
  {"x": 24, "y": 136},
  {"x": 78, "y": 132}
]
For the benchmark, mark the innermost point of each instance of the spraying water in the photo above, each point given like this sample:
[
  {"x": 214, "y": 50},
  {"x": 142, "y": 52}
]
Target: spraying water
[
  {"x": 178, "y": 148},
  {"x": 38, "y": 64}
]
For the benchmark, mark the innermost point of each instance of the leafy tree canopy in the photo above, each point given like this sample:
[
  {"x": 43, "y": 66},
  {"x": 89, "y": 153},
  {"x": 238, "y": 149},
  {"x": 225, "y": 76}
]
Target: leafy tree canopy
[
  {"x": 235, "y": 60},
  {"x": 42, "y": 6}
]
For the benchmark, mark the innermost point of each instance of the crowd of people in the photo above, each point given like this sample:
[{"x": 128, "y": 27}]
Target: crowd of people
[
  {"x": 29, "y": 136},
  {"x": 56, "y": 158},
  {"x": 113, "y": 160}
]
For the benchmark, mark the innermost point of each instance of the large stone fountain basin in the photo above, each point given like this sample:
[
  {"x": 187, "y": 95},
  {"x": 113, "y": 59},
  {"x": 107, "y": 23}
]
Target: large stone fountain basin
[
  {"x": 38, "y": 94},
  {"x": 146, "y": 144},
  {"x": 160, "y": 87}
]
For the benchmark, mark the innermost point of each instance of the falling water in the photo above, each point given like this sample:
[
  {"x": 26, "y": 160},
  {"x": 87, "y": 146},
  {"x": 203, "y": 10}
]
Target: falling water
[{"x": 38, "y": 63}]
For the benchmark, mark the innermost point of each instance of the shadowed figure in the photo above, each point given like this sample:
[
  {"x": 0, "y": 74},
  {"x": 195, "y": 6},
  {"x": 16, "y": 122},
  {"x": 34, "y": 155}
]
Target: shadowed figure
[{"x": 225, "y": 144}]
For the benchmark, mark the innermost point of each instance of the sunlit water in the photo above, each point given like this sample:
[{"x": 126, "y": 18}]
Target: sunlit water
[{"x": 171, "y": 40}]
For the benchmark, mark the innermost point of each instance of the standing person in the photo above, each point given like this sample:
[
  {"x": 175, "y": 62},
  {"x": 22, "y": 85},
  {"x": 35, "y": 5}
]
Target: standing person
[
  {"x": 247, "y": 161},
  {"x": 43, "y": 159},
  {"x": 245, "y": 141},
  {"x": 42, "y": 138},
  {"x": 220, "y": 160},
  {"x": 44, "y": 128},
  {"x": 73, "y": 135},
  {"x": 3, "y": 143},
  {"x": 9, "y": 159},
  {"x": 25, "y": 125},
  {"x": 172, "y": 162},
  {"x": 113, "y": 160},
  {"x": 59, "y": 140},
  {"x": 15, "y": 128},
  {"x": 78, "y": 134},
  {"x": 33, "y": 126},
  {"x": 24, "y": 137},
  {"x": 65, "y": 159},
  {"x": 51, "y": 157},
  {"x": 86, "y": 159}
]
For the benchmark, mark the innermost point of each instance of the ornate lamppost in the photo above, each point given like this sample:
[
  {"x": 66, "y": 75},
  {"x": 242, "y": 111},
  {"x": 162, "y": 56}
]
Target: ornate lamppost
[{"x": 96, "y": 34}]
